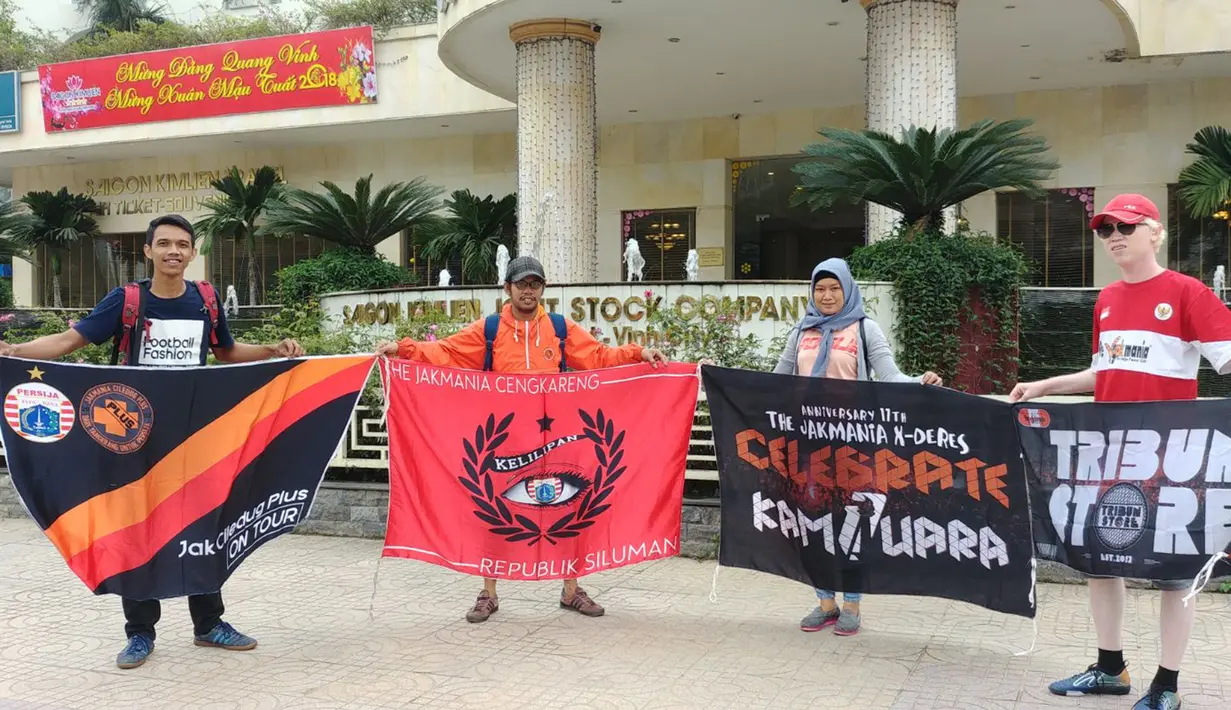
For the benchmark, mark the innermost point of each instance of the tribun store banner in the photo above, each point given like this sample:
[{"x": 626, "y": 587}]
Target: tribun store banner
[{"x": 319, "y": 69}]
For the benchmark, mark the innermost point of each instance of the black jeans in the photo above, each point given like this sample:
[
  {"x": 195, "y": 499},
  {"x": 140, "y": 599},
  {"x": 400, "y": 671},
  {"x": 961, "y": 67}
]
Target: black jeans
[{"x": 206, "y": 611}]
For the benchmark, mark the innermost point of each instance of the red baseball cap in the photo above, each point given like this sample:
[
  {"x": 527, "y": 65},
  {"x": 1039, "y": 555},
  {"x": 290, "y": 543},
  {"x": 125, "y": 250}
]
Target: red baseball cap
[{"x": 1129, "y": 209}]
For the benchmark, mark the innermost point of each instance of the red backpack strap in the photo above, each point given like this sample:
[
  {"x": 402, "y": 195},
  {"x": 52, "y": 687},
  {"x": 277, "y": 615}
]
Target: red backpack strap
[
  {"x": 129, "y": 315},
  {"x": 209, "y": 295}
]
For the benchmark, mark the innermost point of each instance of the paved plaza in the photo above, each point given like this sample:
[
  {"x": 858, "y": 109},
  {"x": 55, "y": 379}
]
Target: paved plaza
[{"x": 662, "y": 644}]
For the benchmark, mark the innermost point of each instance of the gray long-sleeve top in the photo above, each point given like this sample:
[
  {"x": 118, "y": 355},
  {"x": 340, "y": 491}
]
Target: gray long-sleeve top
[{"x": 879, "y": 354}]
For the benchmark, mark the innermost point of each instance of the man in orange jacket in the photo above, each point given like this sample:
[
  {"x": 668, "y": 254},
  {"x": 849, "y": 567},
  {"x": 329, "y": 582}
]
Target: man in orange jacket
[{"x": 526, "y": 339}]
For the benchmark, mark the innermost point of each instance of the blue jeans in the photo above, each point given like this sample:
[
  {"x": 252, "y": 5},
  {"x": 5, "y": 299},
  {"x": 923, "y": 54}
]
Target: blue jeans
[{"x": 854, "y": 597}]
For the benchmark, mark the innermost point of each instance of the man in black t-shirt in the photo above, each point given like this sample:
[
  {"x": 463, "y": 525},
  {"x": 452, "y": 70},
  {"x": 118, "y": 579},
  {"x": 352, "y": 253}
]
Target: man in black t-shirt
[{"x": 174, "y": 332}]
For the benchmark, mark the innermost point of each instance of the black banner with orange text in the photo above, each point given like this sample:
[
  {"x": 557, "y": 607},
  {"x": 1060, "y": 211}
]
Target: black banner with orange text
[{"x": 872, "y": 487}]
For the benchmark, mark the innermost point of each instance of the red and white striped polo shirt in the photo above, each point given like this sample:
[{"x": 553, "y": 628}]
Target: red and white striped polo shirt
[{"x": 1149, "y": 338}]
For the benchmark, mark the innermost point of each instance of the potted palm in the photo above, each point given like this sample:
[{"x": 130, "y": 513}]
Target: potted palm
[
  {"x": 1205, "y": 185},
  {"x": 472, "y": 228},
  {"x": 357, "y": 222},
  {"x": 235, "y": 213},
  {"x": 956, "y": 294},
  {"x": 58, "y": 221}
]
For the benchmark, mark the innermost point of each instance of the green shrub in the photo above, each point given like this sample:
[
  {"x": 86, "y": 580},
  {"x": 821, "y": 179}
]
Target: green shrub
[
  {"x": 53, "y": 322},
  {"x": 717, "y": 336},
  {"x": 338, "y": 270},
  {"x": 383, "y": 15},
  {"x": 151, "y": 36},
  {"x": 6, "y": 293}
]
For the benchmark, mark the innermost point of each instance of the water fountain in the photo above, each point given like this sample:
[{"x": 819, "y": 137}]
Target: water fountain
[
  {"x": 230, "y": 305},
  {"x": 502, "y": 263},
  {"x": 445, "y": 278},
  {"x": 692, "y": 266},
  {"x": 634, "y": 260},
  {"x": 1220, "y": 280}
]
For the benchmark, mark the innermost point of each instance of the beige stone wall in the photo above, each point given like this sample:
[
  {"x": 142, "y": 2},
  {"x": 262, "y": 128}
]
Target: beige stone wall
[{"x": 1114, "y": 139}]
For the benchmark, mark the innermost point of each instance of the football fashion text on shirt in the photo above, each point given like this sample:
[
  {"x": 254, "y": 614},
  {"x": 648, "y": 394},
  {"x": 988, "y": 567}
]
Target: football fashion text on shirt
[
  {"x": 173, "y": 342},
  {"x": 1149, "y": 338}
]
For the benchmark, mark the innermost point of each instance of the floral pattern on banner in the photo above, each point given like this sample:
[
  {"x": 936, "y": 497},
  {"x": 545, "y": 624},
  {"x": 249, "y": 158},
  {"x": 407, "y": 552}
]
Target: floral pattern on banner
[
  {"x": 357, "y": 72},
  {"x": 1085, "y": 194}
]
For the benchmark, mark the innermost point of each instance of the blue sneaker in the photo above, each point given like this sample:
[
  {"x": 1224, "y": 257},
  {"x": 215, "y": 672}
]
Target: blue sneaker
[
  {"x": 1159, "y": 699},
  {"x": 134, "y": 654},
  {"x": 225, "y": 636},
  {"x": 1092, "y": 681}
]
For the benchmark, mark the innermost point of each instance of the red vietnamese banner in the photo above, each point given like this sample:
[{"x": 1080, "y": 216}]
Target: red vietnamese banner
[
  {"x": 331, "y": 68},
  {"x": 537, "y": 476}
]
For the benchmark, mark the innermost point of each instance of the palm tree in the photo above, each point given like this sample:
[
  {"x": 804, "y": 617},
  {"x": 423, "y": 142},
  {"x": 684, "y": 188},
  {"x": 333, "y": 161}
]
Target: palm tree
[
  {"x": 473, "y": 228},
  {"x": 360, "y": 222},
  {"x": 121, "y": 15},
  {"x": 924, "y": 172},
  {"x": 1205, "y": 186},
  {"x": 234, "y": 215},
  {"x": 15, "y": 224},
  {"x": 59, "y": 221}
]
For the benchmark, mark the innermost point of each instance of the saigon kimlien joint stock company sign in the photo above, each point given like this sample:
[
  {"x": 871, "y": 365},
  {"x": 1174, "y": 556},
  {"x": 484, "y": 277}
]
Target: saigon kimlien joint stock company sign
[
  {"x": 621, "y": 312},
  {"x": 333, "y": 68}
]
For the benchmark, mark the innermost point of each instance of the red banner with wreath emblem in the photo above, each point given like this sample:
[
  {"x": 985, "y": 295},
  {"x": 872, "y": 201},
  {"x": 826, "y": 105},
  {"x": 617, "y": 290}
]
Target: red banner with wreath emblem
[{"x": 536, "y": 476}]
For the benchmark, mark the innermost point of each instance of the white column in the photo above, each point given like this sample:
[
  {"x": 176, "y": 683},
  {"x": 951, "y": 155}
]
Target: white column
[
  {"x": 557, "y": 147},
  {"x": 912, "y": 75}
]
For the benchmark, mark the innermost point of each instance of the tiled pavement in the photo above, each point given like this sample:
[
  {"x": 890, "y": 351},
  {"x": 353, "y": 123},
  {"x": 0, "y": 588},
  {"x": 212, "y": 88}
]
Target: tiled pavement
[{"x": 663, "y": 644}]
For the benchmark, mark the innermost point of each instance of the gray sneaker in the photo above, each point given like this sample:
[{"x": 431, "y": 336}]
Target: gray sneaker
[
  {"x": 848, "y": 624},
  {"x": 819, "y": 619}
]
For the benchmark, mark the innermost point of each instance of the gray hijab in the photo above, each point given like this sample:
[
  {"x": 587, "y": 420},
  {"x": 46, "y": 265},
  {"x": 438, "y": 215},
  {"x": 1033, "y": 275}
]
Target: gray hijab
[{"x": 852, "y": 310}]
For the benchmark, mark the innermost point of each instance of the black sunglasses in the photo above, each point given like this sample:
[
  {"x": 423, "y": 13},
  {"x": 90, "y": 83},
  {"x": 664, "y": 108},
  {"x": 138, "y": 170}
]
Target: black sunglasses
[{"x": 1106, "y": 230}]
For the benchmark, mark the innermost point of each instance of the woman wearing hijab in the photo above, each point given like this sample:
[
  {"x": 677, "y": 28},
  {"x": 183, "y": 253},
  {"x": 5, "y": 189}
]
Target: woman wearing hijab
[{"x": 837, "y": 339}]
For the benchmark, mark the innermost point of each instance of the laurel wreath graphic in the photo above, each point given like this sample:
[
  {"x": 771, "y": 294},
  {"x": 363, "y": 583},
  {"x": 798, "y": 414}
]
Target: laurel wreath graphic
[{"x": 480, "y": 458}]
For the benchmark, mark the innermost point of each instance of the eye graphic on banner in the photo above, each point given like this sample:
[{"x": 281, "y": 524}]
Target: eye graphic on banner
[
  {"x": 540, "y": 489},
  {"x": 557, "y": 486}
]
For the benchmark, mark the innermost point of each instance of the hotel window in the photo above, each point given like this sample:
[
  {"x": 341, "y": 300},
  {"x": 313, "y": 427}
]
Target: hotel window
[
  {"x": 1195, "y": 245},
  {"x": 1053, "y": 232},
  {"x": 777, "y": 240},
  {"x": 91, "y": 268},
  {"x": 664, "y": 237},
  {"x": 228, "y": 264}
]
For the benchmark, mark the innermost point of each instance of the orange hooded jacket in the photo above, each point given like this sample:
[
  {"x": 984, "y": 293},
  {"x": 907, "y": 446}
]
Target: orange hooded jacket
[{"x": 520, "y": 346}]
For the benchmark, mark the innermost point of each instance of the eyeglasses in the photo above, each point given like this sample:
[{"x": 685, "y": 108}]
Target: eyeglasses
[
  {"x": 526, "y": 285},
  {"x": 1106, "y": 230}
]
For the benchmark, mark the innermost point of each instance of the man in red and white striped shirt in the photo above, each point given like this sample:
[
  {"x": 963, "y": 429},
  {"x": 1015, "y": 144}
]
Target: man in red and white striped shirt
[{"x": 1151, "y": 329}]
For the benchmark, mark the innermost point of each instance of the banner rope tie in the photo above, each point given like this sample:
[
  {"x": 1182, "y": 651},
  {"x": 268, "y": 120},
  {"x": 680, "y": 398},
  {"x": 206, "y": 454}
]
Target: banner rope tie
[
  {"x": 1203, "y": 577},
  {"x": 1034, "y": 620},
  {"x": 372, "y": 599},
  {"x": 384, "y": 389}
]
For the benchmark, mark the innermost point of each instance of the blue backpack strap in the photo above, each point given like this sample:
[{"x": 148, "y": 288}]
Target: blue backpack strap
[
  {"x": 489, "y": 334},
  {"x": 561, "y": 326}
]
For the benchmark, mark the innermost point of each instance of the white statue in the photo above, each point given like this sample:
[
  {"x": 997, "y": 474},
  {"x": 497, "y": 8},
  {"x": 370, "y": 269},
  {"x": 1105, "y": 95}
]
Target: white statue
[
  {"x": 693, "y": 265},
  {"x": 230, "y": 305},
  {"x": 1220, "y": 280},
  {"x": 445, "y": 278},
  {"x": 502, "y": 263},
  {"x": 634, "y": 260}
]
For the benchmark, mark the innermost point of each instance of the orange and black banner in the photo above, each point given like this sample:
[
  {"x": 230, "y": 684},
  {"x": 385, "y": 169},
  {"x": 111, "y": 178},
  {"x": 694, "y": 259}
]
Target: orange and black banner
[{"x": 157, "y": 483}]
